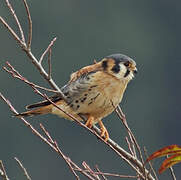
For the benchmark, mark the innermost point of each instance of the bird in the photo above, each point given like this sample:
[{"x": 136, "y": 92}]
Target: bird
[{"x": 92, "y": 92}]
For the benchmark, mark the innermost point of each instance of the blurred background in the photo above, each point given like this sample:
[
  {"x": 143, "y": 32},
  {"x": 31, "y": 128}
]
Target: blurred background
[{"x": 147, "y": 31}]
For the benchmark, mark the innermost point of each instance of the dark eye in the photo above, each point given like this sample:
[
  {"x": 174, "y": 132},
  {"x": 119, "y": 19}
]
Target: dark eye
[{"x": 127, "y": 63}]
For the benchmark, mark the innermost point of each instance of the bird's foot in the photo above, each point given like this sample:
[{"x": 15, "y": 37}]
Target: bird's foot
[{"x": 104, "y": 131}]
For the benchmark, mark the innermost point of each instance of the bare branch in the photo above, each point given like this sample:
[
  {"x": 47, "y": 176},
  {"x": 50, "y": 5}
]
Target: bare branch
[
  {"x": 123, "y": 118},
  {"x": 150, "y": 164},
  {"x": 16, "y": 19},
  {"x": 45, "y": 75},
  {"x": 86, "y": 166},
  {"x": 98, "y": 170},
  {"x": 46, "y": 51},
  {"x": 46, "y": 133},
  {"x": 17, "y": 75},
  {"x": 49, "y": 64},
  {"x": 27, "y": 48},
  {"x": 129, "y": 146},
  {"x": 12, "y": 32},
  {"x": 132, "y": 138},
  {"x": 3, "y": 173},
  {"x": 107, "y": 174},
  {"x": 30, "y": 25},
  {"x": 54, "y": 143},
  {"x": 127, "y": 157},
  {"x": 23, "y": 168},
  {"x": 172, "y": 172}
]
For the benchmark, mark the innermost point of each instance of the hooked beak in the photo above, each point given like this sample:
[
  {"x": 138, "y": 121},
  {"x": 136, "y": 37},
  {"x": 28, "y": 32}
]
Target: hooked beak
[{"x": 135, "y": 71}]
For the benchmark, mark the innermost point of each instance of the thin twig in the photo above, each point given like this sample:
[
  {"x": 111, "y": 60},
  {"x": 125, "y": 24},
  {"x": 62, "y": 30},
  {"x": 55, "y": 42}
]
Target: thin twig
[
  {"x": 16, "y": 74},
  {"x": 123, "y": 118},
  {"x": 23, "y": 168},
  {"x": 46, "y": 133},
  {"x": 86, "y": 166},
  {"x": 69, "y": 162},
  {"x": 17, "y": 20},
  {"x": 172, "y": 172},
  {"x": 129, "y": 146},
  {"x": 15, "y": 36},
  {"x": 46, "y": 51},
  {"x": 127, "y": 157},
  {"x": 150, "y": 164},
  {"x": 102, "y": 175},
  {"x": 49, "y": 64},
  {"x": 30, "y": 25},
  {"x": 54, "y": 143},
  {"x": 108, "y": 174},
  {"x": 35, "y": 132},
  {"x": 28, "y": 52},
  {"x": 3, "y": 173}
]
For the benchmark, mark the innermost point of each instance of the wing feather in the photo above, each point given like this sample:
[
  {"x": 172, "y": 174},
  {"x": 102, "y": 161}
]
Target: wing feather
[
  {"x": 78, "y": 83},
  {"x": 85, "y": 70}
]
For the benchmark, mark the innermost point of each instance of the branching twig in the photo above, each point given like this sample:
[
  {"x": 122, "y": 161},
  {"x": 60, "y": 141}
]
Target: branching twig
[
  {"x": 108, "y": 174},
  {"x": 53, "y": 145},
  {"x": 132, "y": 137},
  {"x": 123, "y": 118},
  {"x": 23, "y": 168},
  {"x": 16, "y": 74},
  {"x": 47, "y": 50},
  {"x": 102, "y": 175},
  {"x": 88, "y": 169},
  {"x": 27, "y": 47}
]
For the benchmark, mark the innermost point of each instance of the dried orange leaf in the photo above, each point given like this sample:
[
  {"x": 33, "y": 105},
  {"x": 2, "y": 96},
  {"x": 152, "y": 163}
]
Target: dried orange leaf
[
  {"x": 174, "y": 159},
  {"x": 172, "y": 149}
]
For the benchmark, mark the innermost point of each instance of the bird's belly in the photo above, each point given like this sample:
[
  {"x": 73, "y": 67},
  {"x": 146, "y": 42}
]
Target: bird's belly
[
  {"x": 99, "y": 102},
  {"x": 98, "y": 106}
]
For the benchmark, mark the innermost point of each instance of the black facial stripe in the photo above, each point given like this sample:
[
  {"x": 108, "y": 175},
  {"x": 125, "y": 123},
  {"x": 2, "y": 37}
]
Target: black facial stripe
[
  {"x": 116, "y": 67},
  {"x": 127, "y": 73},
  {"x": 104, "y": 65}
]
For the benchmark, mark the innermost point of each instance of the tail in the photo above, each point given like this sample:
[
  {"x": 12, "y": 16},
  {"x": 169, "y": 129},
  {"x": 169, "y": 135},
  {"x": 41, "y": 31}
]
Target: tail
[
  {"x": 34, "y": 112},
  {"x": 43, "y": 107}
]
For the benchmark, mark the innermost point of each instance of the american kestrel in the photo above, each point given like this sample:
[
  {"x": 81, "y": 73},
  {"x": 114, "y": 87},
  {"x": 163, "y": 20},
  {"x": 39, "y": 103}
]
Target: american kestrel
[{"x": 92, "y": 92}]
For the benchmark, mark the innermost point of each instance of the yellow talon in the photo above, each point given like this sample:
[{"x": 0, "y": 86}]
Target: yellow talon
[
  {"x": 90, "y": 122},
  {"x": 104, "y": 131}
]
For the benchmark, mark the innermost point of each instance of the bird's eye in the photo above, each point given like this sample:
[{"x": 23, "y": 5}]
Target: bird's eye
[{"x": 127, "y": 64}]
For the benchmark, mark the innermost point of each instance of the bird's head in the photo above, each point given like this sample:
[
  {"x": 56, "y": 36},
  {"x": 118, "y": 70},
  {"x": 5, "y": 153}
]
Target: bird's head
[{"x": 120, "y": 66}]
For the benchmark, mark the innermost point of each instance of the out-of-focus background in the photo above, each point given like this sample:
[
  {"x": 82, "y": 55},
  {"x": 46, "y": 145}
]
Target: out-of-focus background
[{"x": 147, "y": 31}]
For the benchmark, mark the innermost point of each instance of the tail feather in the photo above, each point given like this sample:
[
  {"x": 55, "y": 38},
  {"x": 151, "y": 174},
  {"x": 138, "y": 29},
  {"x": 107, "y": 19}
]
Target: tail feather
[
  {"x": 54, "y": 98},
  {"x": 34, "y": 112}
]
